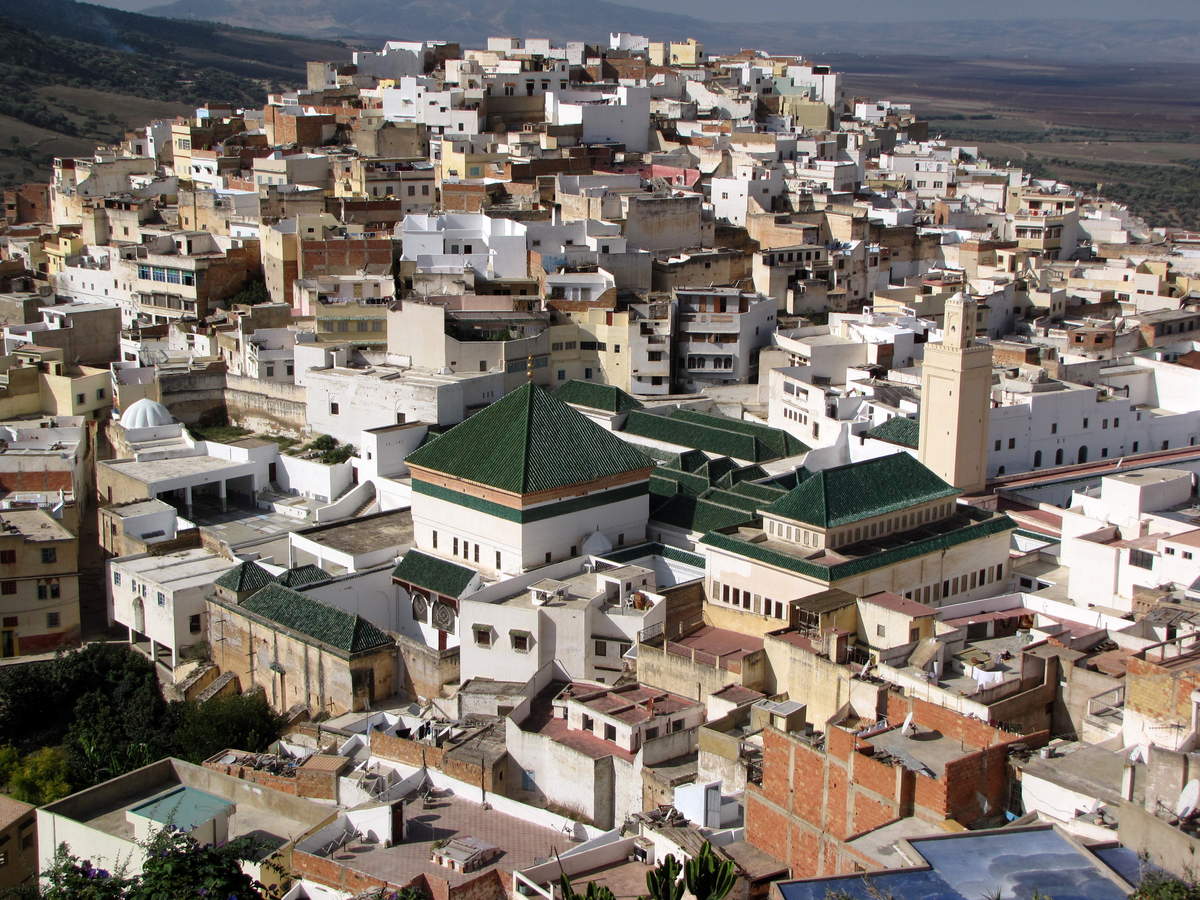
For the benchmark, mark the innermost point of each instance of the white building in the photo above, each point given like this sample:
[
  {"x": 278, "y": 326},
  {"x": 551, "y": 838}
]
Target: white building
[
  {"x": 161, "y": 599},
  {"x": 1133, "y": 531},
  {"x": 494, "y": 248}
]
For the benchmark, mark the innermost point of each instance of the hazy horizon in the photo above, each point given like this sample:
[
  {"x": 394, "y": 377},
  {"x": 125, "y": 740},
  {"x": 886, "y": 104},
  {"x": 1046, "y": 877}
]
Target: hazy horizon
[{"x": 879, "y": 11}]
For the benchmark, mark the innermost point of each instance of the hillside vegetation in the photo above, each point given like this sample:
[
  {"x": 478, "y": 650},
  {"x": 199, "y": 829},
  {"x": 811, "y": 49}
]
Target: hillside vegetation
[{"x": 73, "y": 75}]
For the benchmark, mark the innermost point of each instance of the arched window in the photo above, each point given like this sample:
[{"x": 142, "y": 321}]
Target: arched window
[
  {"x": 1058, "y": 457},
  {"x": 1037, "y": 459},
  {"x": 1082, "y": 454}
]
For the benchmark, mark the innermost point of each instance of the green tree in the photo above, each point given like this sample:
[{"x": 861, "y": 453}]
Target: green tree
[
  {"x": 176, "y": 866},
  {"x": 71, "y": 878},
  {"x": 41, "y": 777},
  {"x": 708, "y": 877},
  {"x": 1156, "y": 885},
  {"x": 244, "y": 721}
]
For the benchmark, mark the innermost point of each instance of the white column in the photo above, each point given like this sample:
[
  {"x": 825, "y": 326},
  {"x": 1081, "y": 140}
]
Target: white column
[
  {"x": 187, "y": 498},
  {"x": 221, "y": 487}
]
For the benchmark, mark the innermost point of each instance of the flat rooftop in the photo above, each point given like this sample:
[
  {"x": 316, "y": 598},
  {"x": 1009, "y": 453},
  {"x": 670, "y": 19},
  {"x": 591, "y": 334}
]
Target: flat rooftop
[
  {"x": 140, "y": 508},
  {"x": 927, "y": 749},
  {"x": 393, "y": 528},
  {"x": 182, "y": 569},
  {"x": 35, "y": 525},
  {"x": 153, "y": 470},
  {"x": 448, "y": 817}
]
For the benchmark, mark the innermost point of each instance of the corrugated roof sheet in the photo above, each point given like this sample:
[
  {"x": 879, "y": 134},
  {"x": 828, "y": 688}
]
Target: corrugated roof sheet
[{"x": 526, "y": 442}]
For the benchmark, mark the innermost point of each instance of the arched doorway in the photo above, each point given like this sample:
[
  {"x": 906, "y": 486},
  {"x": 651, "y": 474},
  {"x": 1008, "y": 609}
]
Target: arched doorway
[{"x": 139, "y": 616}]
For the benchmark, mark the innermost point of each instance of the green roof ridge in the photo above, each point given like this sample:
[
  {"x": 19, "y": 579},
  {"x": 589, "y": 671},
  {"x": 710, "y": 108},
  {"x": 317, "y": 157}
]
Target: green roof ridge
[{"x": 246, "y": 576}]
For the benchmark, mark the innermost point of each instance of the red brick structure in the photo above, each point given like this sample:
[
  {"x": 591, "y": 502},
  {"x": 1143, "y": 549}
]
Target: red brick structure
[
  {"x": 27, "y": 203},
  {"x": 815, "y": 798}
]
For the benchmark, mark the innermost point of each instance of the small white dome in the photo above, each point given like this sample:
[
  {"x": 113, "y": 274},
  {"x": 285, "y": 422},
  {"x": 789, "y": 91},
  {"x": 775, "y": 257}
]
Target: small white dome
[
  {"x": 596, "y": 544},
  {"x": 146, "y": 413}
]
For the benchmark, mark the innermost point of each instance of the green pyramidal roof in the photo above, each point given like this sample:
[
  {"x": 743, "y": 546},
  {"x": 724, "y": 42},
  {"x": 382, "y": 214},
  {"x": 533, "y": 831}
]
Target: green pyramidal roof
[
  {"x": 844, "y": 494},
  {"x": 529, "y": 441},
  {"x": 329, "y": 625},
  {"x": 248, "y": 576}
]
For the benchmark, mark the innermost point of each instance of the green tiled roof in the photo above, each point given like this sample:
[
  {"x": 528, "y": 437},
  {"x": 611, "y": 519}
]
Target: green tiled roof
[
  {"x": 597, "y": 396},
  {"x": 981, "y": 524},
  {"x": 653, "y": 548},
  {"x": 436, "y": 575},
  {"x": 751, "y": 472},
  {"x": 307, "y": 616},
  {"x": 844, "y": 494},
  {"x": 780, "y": 442},
  {"x": 714, "y": 434},
  {"x": 687, "y": 482},
  {"x": 249, "y": 576},
  {"x": 528, "y": 441},
  {"x": 897, "y": 430},
  {"x": 700, "y": 437},
  {"x": 696, "y": 514},
  {"x": 765, "y": 493},
  {"x": 302, "y": 575}
]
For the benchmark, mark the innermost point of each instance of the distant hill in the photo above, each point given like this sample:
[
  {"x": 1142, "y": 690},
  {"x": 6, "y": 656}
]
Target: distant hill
[
  {"x": 455, "y": 20},
  {"x": 243, "y": 52},
  {"x": 73, "y": 75},
  {"x": 1039, "y": 42}
]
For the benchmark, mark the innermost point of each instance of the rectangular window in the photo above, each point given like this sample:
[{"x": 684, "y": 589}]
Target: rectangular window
[
  {"x": 116, "y": 577},
  {"x": 52, "y": 620},
  {"x": 483, "y": 635},
  {"x": 334, "y": 409},
  {"x": 161, "y": 598},
  {"x": 497, "y": 559},
  {"x": 43, "y": 592},
  {"x": 1141, "y": 559},
  {"x": 880, "y": 631},
  {"x": 9, "y": 557},
  {"x": 435, "y": 540},
  {"x": 456, "y": 547},
  {"x": 601, "y": 648},
  {"x": 610, "y": 732},
  {"x": 49, "y": 555},
  {"x": 520, "y": 641}
]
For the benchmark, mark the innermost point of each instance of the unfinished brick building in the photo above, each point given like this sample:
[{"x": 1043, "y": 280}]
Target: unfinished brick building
[{"x": 821, "y": 794}]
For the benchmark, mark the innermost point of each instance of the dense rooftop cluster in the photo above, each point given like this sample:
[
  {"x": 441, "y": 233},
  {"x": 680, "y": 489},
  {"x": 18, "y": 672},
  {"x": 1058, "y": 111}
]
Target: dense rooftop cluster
[{"x": 602, "y": 452}]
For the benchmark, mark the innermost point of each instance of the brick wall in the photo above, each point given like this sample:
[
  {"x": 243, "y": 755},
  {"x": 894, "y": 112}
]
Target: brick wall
[
  {"x": 814, "y": 800},
  {"x": 285, "y": 785}
]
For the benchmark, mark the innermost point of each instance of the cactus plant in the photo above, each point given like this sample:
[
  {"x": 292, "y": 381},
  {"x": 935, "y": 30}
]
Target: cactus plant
[{"x": 708, "y": 877}]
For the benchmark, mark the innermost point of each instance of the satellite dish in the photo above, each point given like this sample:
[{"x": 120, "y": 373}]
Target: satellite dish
[
  {"x": 907, "y": 727},
  {"x": 1188, "y": 798}
]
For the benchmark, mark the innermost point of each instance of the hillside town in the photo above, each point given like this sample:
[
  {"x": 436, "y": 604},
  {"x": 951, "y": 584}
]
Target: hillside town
[{"x": 603, "y": 453}]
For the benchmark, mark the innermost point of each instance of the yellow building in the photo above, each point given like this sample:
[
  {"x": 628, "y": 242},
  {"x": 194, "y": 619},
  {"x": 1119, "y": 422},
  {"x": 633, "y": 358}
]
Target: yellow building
[
  {"x": 36, "y": 381},
  {"x": 39, "y": 583}
]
